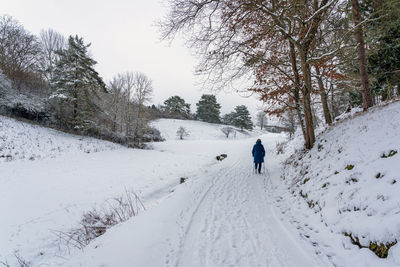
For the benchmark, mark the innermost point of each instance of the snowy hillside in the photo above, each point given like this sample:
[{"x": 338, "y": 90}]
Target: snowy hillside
[
  {"x": 336, "y": 205},
  {"x": 198, "y": 130},
  {"x": 40, "y": 199},
  {"x": 25, "y": 141},
  {"x": 344, "y": 193}
]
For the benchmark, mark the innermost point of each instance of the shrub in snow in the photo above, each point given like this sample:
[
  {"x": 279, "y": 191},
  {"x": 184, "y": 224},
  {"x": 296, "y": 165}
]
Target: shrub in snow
[
  {"x": 280, "y": 147},
  {"x": 95, "y": 223},
  {"x": 227, "y": 131},
  {"x": 182, "y": 132},
  {"x": 152, "y": 135}
]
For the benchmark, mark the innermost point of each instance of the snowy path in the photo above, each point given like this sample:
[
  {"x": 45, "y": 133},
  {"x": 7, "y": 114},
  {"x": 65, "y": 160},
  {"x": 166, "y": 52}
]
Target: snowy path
[
  {"x": 225, "y": 217},
  {"x": 235, "y": 225}
]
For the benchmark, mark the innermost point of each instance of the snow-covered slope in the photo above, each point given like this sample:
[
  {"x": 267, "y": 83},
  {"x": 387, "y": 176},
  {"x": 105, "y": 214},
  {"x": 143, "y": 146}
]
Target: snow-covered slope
[
  {"x": 25, "y": 141},
  {"x": 41, "y": 197},
  {"x": 222, "y": 216},
  {"x": 198, "y": 130},
  {"x": 349, "y": 184}
]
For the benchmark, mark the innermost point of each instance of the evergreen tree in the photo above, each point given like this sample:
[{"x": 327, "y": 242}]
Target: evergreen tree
[
  {"x": 242, "y": 118},
  {"x": 384, "y": 60},
  {"x": 177, "y": 107},
  {"x": 208, "y": 109},
  {"x": 228, "y": 118},
  {"x": 76, "y": 83}
]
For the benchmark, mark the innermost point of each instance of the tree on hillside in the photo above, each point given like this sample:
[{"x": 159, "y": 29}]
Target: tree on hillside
[
  {"x": 362, "y": 61},
  {"x": 142, "y": 94},
  {"x": 288, "y": 120},
  {"x": 384, "y": 54},
  {"x": 227, "y": 131},
  {"x": 50, "y": 42},
  {"x": 176, "y": 107},
  {"x": 19, "y": 51},
  {"x": 242, "y": 118},
  {"x": 76, "y": 83},
  {"x": 228, "y": 118},
  {"x": 208, "y": 109},
  {"x": 182, "y": 133},
  {"x": 261, "y": 119}
]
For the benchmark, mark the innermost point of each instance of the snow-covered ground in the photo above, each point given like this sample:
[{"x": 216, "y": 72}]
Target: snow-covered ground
[
  {"x": 223, "y": 215},
  {"x": 199, "y": 130},
  {"x": 24, "y": 141},
  {"x": 40, "y": 197},
  {"x": 348, "y": 183}
]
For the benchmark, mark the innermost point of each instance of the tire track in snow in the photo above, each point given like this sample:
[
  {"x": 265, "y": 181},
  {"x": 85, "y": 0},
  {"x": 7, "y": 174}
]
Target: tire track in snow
[
  {"x": 234, "y": 224},
  {"x": 197, "y": 207}
]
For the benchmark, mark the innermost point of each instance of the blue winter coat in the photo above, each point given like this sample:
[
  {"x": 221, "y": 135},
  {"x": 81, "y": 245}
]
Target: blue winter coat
[{"x": 258, "y": 152}]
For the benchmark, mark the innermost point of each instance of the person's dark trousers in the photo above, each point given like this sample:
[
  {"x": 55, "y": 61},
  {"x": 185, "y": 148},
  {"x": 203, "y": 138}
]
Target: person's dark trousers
[{"x": 258, "y": 166}]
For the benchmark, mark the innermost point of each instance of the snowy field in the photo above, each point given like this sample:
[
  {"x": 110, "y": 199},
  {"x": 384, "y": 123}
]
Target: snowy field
[
  {"x": 40, "y": 197},
  {"x": 199, "y": 130},
  {"x": 223, "y": 215}
]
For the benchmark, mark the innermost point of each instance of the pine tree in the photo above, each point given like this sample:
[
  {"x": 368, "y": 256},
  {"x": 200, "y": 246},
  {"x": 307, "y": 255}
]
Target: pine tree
[
  {"x": 76, "y": 83},
  {"x": 384, "y": 58},
  {"x": 228, "y": 118},
  {"x": 208, "y": 109},
  {"x": 177, "y": 107},
  {"x": 242, "y": 118}
]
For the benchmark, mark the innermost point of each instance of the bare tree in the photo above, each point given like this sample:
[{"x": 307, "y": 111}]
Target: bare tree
[
  {"x": 142, "y": 93},
  {"x": 261, "y": 119},
  {"x": 129, "y": 85},
  {"x": 288, "y": 120},
  {"x": 19, "y": 50},
  {"x": 232, "y": 36},
  {"x": 182, "y": 132},
  {"x": 116, "y": 102},
  {"x": 50, "y": 42},
  {"x": 129, "y": 94},
  {"x": 227, "y": 131}
]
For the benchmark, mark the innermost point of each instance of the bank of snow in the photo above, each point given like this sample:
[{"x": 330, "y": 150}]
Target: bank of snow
[
  {"x": 349, "y": 184},
  {"x": 25, "y": 141}
]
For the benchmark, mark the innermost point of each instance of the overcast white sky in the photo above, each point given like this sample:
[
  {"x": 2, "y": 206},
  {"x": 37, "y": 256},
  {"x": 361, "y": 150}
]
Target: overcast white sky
[{"x": 124, "y": 38}]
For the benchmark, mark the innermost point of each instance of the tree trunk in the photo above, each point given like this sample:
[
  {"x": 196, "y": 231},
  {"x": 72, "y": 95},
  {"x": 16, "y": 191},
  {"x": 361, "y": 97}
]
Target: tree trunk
[
  {"x": 358, "y": 33},
  {"x": 306, "y": 90},
  {"x": 75, "y": 114},
  {"x": 296, "y": 91},
  {"x": 324, "y": 99}
]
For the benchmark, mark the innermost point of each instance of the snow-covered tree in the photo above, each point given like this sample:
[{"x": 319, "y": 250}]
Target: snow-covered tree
[
  {"x": 288, "y": 120},
  {"x": 182, "y": 132},
  {"x": 208, "y": 109},
  {"x": 50, "y": 42},
  {"x": 19, "y": 51},
  {"x": 76, "y": 83},
  {"x": 228, "y": 118},
  {"x": 176, "y": 107},
  {"x": 261, "y": 119},
  {"x": 142, "y": 93},
  {"x": 242, "y": 118},
  {"x": 227, "y": 131}
]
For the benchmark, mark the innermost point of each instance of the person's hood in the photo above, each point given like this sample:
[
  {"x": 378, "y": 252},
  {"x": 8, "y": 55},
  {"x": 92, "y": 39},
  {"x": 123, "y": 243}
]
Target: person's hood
[{"x": 258, "y": 142}]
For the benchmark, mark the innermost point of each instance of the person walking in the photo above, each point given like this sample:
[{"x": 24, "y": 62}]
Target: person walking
[{"x": 258, "y": 153}]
